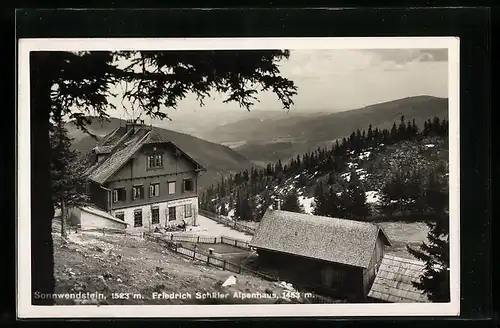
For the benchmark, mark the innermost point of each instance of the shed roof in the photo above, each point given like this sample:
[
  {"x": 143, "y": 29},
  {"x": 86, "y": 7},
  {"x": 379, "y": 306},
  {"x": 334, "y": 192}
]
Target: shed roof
[
  {"x": 393, "y": 282},
  {"x": 329, "y": 239},
  {"x": 121, "y": 146}
]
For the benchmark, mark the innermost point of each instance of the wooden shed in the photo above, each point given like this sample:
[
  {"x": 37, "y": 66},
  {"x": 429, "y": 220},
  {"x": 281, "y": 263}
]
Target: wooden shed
[
  {"x": 394, "y": 281},
  {"x": 338, "y": 257}
]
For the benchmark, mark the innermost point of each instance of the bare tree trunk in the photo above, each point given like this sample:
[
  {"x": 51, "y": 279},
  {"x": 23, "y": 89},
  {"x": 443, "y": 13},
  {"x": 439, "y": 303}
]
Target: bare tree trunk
[
  {"x": 63, "y": 218},
  {"x": 42, "y": 210}
]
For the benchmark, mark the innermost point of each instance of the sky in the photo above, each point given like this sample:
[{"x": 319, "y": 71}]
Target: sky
[{"x": 336, "y": 80}]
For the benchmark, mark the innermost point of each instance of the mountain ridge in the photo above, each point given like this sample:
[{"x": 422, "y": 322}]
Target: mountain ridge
[{"x": 263, "y": 141}]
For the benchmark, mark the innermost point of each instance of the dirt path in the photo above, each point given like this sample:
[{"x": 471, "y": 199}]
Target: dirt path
[{"x": 208, "y": 227}]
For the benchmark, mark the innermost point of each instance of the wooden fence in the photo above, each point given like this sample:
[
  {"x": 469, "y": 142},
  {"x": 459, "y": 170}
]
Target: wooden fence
[
  {"x": 200, "y": 239},
  {"x": 111, "y": 231},
  {"x": 207, "y": 258},
  {"x": 228, "y": 222}
]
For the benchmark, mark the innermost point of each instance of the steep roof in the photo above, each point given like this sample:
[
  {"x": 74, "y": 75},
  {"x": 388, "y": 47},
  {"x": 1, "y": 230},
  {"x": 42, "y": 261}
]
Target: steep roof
[
  {"x": 324, "y": 238},
  {"x": 393, "y": 282},
  {"x": 119, "y": 146}
]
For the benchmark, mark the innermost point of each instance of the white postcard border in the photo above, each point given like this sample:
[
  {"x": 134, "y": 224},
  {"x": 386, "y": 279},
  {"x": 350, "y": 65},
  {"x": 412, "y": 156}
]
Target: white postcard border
[{"x": 26, "y": 310}]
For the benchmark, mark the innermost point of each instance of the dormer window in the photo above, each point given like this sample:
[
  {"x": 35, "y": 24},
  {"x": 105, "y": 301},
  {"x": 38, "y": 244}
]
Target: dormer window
[{"x": 155, "y": 161}]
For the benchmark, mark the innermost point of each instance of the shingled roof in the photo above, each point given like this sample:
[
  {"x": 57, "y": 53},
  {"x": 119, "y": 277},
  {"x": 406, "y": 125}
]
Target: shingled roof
[
  {"x": 393, "y": 282},
  {"x": 324, "y": 238},
  {"x": 119, "y": 146}
]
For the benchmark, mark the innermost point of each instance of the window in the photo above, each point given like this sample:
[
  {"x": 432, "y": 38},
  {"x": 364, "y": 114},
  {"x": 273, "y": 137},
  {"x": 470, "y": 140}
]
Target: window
[
  {"x": 154, "y": 189},
  {"x": 188, "y": 210},
  {"x": 171, "y": 187},
  {"x": 171, "y": 213},
  {"x": 188, "y": 185},
  {"x": 120, "y": 216},
  {"x": 155, "y": 161},
  {"x": 155, "y": 215},
  {"x": 138, "y": 218},
  {"x": 138, "y": 192},
  {"x": 119, "y": 194}
]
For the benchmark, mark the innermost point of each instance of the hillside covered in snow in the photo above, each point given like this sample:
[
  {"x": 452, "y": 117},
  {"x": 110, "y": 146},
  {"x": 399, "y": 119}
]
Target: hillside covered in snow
[{"x": 372, "y": 175}]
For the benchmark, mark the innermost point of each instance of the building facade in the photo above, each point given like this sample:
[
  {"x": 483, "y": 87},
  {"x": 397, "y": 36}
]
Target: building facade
[
  {"x": 144, "y": 180},
  {"x": 335, "y": 257}
]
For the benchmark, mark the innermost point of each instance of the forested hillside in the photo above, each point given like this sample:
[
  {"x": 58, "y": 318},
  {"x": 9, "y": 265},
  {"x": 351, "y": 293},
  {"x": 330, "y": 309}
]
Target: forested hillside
[{"x": 374, "y": 173}]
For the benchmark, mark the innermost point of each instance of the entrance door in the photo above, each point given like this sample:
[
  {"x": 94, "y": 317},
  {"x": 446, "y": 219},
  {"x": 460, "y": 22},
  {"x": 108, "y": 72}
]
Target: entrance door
[
  {"x": 171, "y": 214},
  {"x": 138, "y": 218}
]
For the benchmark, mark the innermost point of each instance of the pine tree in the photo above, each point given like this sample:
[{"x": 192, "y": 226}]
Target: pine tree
[
  {"x": 333, "y": 205},
  {"x": 320, "y": 202},
  {"x": 353, "y": 199},
  {"x": 370, "y": 137},
  {"x": 67, "y": 173},
  {"x": 435, "y": 281},
  {"x": 291, "y": 203},
  {"x": 394, "y": 133},
  {"x": 425, "y": 132},
  {"x": 435, "y": 252},
  {"x": 402, "y": 129}
]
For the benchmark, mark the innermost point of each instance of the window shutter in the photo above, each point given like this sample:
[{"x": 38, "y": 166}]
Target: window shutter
[
  {"x": 150, "y": 190},
  {"x": 149, "y": 162}
]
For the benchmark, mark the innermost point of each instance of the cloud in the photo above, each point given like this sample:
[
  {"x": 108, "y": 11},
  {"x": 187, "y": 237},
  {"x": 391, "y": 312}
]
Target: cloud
[{"x": 404, "y": 56}]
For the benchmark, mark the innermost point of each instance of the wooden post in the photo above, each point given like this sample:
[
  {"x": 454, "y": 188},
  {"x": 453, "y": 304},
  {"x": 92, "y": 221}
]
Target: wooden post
[
  {"x": 194, "y": 254},
  {"x": 224, "y": 265},
  {"x": 239, "y": 268},
  {"x": 221, "y": 240},
  {"x": 198, "y": 239},
  {"x": 172, "y": 237},
  {"x": 103, "y": 232},
  {"x": 208, "y": 259},
  {"x": 235, "y": 242},
  {"x": 215, "y": 240}
]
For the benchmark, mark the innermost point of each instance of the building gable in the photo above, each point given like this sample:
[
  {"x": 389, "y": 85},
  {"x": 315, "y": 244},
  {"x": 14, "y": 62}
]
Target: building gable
[
  {"x": 137, "y": 166},
  {"x": 124, "y": 150}
]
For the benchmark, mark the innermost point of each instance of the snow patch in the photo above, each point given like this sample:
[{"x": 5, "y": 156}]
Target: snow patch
[
  {"x": 372, "y": 197},
  {"x": 229, "y": 281},
  {"x": 346, "y": 176},
  {"x": 363, "y": 177},
  {"x": 365, "y": 155},
  {"x": 351, "y": 165},
  {"x": 429, "y": 145},
  {"x": 307, "y": 203},
  {"x": 231, "y": 213}
]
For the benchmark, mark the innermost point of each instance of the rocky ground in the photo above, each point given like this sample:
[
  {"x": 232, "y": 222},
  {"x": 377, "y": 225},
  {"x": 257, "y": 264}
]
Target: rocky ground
[{"x": 129, "y": 270}]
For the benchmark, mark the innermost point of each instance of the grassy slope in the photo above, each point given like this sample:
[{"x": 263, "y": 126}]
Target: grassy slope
[
  {"x": 218, "y": 159},
  {"x": 285, "y": 136}
]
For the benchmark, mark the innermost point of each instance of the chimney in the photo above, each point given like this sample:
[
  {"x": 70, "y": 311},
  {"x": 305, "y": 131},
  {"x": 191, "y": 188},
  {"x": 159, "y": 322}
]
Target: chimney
[{"x": 277, "y": 204}]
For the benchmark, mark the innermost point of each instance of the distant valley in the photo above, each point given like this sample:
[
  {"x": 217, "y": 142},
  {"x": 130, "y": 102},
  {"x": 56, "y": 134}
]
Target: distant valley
[{"x": 284, "y": 135}]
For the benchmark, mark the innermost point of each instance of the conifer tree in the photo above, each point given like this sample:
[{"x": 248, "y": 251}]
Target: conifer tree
[
  {"x": 402, "y": 129},
  {"x": 435, "y": 252},
  {"x": 291, "y": 203},
  {"x": 353, "y": 199},
  {"x": 320, "y": 202},
  {"x": 66, "y": 173},
  {"x": 394, "y": 133}
]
